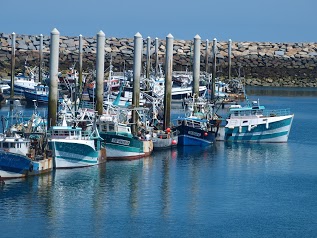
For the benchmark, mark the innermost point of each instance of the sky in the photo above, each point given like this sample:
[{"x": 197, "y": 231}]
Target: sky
[{"x": 239, "y": 20}]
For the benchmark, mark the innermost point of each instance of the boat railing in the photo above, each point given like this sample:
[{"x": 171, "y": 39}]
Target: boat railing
[{"x": 278, "y": 112}]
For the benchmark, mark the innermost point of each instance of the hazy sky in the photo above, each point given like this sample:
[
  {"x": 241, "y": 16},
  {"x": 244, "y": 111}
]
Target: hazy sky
[{"x": 240, "y": 20}]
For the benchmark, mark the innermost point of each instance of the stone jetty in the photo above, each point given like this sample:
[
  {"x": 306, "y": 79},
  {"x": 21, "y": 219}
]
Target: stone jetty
[{"x": 261, "y": 63}]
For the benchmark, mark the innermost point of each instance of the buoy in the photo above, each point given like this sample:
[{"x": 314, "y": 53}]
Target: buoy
[
  {"x": 168, "y": 130},
  {"x": 205, "y": 134},
  {"x": 174, "y": 142}
]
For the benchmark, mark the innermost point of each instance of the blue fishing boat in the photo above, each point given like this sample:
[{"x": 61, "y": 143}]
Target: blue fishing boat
[
  {"x": 193, "y": 130},
  {"x": 198, "y": 126},
  {"x": 23, "y": 156},
  {"x": 40, "y": 94},
  {"x": 254, "y": 123}
]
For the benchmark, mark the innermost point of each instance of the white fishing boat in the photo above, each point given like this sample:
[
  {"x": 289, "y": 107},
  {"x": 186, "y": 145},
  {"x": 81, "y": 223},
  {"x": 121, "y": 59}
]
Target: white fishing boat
[
  {"x": 74, "y": 147},
  {"x": 4, "y": 87},
  {"x": 253, "y": 123},
  {"x": 178, "y": 91},
  {"x": 24, "y": 81},
  {"x": 164, "y": 139}
]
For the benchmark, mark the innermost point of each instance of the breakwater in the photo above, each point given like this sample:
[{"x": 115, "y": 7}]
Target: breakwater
[{"x": 261, "y": 63}]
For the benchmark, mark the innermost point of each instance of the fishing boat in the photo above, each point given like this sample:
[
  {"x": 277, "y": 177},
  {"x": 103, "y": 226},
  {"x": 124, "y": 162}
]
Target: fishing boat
[
  {"x": 198, "y": 126},
  {"x": 23, "y": 156},
  {"x": 164, "y": 139},
  {"x": 193, "y": 130},
  {"x": 254, "y": 123},
  {"x": 39, "y": 93},
  {"x": 26, "y": 80},
  {"x": 120, "y": 142},
  {"x": 4, "y": 87},
  {"x": 114, "y": 128},
  {"x": 23, "y": 149},
  {"x": 179, "y": 91},
  {"x": 73, "y": 147},
  {"x": 234, "y": 88},
  {"x": 22, "y": 83}
]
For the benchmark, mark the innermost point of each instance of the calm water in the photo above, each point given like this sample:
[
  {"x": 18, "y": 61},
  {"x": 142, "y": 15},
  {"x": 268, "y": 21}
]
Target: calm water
[{"x": 225, "y": 190}]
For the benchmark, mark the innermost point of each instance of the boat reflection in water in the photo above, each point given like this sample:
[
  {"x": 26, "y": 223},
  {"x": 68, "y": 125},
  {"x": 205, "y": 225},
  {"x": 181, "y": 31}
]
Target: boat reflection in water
[{"x": 241, "y": 157}]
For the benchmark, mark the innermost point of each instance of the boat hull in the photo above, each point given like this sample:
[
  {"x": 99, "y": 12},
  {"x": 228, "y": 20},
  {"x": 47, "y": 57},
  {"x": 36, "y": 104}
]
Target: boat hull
[
  {"x": 276, "y": 130},
  {"x": 21, "y": 85},
  {"x": 194, "y": 136},
  {"x": 30, "y": 96},
  {"x": 122, "y": 147},
  {"x": 18, "y": 166},
  {"x": 75, "y": 154},
  {"x": 180, "y": 93}
]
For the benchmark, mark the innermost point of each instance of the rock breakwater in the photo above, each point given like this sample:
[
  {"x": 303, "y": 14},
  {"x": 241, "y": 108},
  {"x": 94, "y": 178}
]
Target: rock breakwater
[{"x": 261, "y": 63}]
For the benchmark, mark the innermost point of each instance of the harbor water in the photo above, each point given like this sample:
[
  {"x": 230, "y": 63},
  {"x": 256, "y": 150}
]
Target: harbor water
[{"x": 224, "y": 190}]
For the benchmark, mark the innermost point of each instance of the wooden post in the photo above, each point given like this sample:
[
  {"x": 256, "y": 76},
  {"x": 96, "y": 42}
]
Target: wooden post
[
  {"x": 207, "y": 57},
  {"x": 156, "y": 56},
  {"x": 168, "y": 81},
  {"x": 229, "y": 58},
  {"x": 137, "y": 64},
  {"x": 148, "y": 57},
  {"x": 196, "y": 65},
  {"x": 12, "y": 66},
  {"x": 100, "y": 71},
  {"x": 40, "y": 58},
  {"x": 53, "y": 86},
  {"x": 214, "y": 69},
  {"x": 80, "y": 70}
]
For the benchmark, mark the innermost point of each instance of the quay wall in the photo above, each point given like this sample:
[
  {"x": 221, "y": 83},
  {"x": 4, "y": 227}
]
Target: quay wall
[{"x": 261, "y": 63}]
